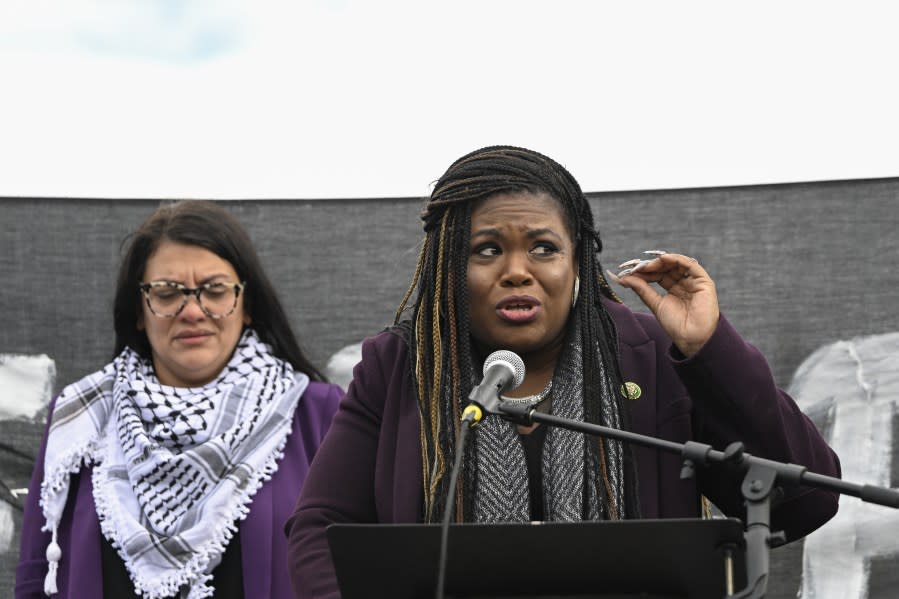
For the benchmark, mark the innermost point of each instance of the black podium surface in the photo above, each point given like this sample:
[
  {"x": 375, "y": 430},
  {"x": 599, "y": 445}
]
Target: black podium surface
[{"x": 646, "y": 559}]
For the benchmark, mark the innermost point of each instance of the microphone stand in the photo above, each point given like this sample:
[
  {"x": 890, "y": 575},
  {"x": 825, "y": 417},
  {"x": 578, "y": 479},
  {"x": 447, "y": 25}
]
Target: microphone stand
[{"x": 760, "y": 475}]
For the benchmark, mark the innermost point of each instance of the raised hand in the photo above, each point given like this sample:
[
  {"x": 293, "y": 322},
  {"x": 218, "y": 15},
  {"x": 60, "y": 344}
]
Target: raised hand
[{"x": 688, "y": 310}]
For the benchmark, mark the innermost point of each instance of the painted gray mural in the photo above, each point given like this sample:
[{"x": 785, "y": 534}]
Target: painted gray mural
[
  {"x": 26, "y": 384},
  {"x": 798, "y": 267},
  {"x": 852, "y": 388}
]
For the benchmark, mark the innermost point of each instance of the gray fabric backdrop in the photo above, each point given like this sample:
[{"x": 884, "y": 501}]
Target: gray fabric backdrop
[{"x": 797, "y": 266}]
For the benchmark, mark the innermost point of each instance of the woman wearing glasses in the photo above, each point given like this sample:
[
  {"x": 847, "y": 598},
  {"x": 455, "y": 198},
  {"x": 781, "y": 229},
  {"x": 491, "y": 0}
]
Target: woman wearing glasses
[{"x": 171, "y": 471}]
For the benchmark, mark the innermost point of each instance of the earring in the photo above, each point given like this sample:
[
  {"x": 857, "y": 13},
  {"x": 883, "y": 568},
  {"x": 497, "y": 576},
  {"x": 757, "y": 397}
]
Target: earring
[{"x": 577, "y": 288}]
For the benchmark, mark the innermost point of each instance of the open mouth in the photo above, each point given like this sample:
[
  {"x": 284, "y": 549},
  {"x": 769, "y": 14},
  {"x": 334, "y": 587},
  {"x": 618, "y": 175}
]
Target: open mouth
[
  {"x": 517, "y": 310},
  {"x": 518, "y": 307}
]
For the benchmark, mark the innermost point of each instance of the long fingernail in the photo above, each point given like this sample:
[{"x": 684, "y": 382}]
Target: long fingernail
[
  {"x": 656, "y": 252},
  {"x": 613, "y": 276},
  {"x": 633, "y": 262},
  {"x": 641, "y": 265},
  {"x": 626, "y": 272}
]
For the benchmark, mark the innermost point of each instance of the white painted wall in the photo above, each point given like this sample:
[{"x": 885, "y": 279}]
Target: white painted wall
[
  {"x": 7, "y": 527},
  {"x": 339, "y": 368},
  {"x": 859, "y": 379},
  {"x": 26, "y": 384}
]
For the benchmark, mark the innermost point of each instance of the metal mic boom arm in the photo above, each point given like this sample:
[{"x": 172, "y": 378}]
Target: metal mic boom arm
[{"x": 759, "y": 478}]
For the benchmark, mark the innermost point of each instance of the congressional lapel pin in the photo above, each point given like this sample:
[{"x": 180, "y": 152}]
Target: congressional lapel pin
[{"x": 631, "y": 390}]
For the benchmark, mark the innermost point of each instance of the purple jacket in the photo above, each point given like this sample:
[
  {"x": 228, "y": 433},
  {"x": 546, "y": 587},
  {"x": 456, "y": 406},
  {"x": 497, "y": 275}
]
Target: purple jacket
[
  {"x": 262, "y": 539},
  {"x": 369, "y": 466}
]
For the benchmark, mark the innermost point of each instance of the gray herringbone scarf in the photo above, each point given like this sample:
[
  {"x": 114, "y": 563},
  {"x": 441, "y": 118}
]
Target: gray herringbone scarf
[{"x": 569, "y": 465}]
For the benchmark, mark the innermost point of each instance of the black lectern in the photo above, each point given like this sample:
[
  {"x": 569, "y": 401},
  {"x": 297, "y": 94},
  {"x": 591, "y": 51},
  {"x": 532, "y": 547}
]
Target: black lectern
[{"x": 645, "y": 559}]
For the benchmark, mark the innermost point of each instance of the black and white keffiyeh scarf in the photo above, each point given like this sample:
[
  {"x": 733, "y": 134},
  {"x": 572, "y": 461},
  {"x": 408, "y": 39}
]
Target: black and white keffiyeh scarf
[
  {"x": 569, "y": 466},
  {"x": 173, "y": 468}
]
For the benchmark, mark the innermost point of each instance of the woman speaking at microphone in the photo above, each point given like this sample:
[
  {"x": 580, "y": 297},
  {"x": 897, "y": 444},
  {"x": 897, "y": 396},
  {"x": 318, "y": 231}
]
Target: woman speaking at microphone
[{"x": 510, "y": 262}]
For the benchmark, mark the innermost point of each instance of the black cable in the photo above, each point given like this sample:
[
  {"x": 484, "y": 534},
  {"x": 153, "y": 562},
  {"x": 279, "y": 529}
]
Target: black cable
[{"x": 468, "y": 420}]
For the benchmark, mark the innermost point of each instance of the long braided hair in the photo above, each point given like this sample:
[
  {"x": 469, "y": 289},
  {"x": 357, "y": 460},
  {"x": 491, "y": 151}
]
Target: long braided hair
[{"x": 442, "y": 359}]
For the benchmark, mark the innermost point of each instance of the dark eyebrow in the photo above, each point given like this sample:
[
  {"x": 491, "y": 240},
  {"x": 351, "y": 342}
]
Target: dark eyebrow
[
  {"x": 494, "y": 232},
  {"x": 208, "y": 279},
  {"x": 487, "y": 232},
  {"x": 544, "y": 231},
  {"x": 214, "y": 278}
]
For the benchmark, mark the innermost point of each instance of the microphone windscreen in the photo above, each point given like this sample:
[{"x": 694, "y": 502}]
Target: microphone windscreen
[{"x": 510, "y": 358}]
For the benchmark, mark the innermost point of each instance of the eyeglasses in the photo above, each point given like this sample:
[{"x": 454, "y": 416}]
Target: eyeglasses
[{"x": 166, "y": 299}]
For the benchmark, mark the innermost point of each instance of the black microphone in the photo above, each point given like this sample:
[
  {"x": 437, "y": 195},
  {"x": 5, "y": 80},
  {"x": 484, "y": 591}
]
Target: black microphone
[{"x": 503, "y": 371}]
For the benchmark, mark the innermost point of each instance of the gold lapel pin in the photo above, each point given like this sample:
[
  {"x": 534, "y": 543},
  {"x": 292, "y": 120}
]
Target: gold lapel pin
[{"x": 631, "y": 390}]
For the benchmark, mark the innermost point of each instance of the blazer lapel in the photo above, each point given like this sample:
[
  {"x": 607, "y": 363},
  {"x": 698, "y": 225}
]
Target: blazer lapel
[{"x": 638, "y": 366}]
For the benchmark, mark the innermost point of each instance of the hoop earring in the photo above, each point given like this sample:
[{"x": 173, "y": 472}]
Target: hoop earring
[{"x": 577, "y": 288}]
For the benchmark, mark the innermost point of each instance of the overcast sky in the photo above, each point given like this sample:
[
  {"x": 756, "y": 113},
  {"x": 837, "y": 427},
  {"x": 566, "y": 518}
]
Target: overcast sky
[{"x": 368, "y": 98}]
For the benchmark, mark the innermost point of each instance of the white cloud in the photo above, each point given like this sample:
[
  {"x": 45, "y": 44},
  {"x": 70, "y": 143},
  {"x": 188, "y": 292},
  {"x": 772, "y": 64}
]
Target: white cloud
[
  {"x": 360, "y": 99},
  {"x": 157, "y": 30}
]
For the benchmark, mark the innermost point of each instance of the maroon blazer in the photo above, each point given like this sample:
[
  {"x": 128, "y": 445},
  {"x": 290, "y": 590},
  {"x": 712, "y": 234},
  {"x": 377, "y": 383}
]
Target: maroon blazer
[
  {"x": 369, "y": 466},
  {"x": 262, "y": 541}
]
